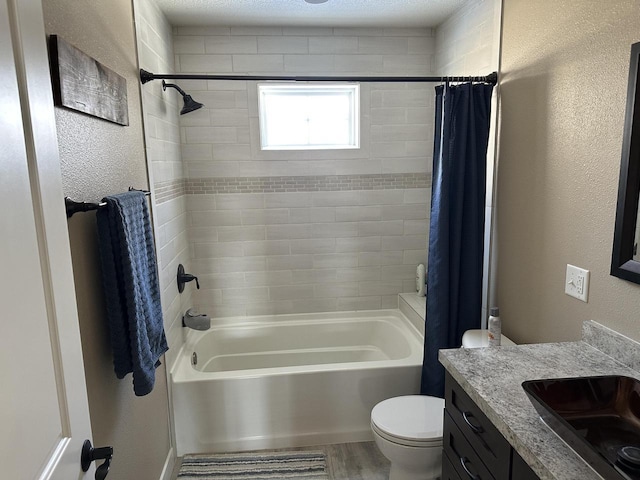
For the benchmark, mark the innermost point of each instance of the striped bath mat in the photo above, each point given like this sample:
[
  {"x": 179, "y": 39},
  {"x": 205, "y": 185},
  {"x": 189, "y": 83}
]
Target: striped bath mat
[{"x": 302, "y": 465}]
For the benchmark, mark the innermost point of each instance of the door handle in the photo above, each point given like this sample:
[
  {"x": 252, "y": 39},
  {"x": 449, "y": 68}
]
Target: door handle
[{"x": 90, "y": 454}]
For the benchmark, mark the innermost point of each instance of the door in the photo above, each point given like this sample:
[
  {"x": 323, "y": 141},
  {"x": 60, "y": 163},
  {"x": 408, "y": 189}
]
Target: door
[{"x": 44, "y": 415}]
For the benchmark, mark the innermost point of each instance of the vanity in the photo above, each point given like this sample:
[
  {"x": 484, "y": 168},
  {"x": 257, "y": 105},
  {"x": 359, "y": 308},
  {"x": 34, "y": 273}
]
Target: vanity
[{"x": 492, "y": 430}]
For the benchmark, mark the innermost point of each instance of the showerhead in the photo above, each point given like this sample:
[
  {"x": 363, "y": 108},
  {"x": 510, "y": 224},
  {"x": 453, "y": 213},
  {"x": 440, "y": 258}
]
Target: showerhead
[{"x": 189, "y": 103}]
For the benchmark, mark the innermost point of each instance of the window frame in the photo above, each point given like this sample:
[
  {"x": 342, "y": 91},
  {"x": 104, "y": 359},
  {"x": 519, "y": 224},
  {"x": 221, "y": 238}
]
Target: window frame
[{"x": 312, "y": 88}]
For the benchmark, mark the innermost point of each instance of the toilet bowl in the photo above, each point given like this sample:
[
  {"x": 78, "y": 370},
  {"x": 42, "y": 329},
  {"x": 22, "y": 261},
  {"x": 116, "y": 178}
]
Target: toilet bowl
[
  {"x": 408, "y": 432},
  {"x": 408, "y": 429}
]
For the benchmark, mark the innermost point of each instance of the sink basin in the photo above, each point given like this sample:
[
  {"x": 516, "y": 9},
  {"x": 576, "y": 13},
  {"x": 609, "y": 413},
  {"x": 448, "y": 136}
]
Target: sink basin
[{"x": 599, "y": 417}]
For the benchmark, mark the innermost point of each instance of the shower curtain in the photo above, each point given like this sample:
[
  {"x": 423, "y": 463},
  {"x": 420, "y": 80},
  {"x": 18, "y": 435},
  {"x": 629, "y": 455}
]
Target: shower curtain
[{"x": 456, "y": 231}]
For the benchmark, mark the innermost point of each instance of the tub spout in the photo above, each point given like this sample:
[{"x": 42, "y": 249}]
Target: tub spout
[{"x": 196, "y": 320}]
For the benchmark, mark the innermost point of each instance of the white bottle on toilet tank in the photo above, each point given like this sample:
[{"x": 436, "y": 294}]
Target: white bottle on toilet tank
[
  {"x": 495, "y": 327},
  {"x": 421, "y": 287}
]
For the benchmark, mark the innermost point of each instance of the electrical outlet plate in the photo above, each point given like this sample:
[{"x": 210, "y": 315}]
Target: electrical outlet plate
[{"x": 577, "y": 282}]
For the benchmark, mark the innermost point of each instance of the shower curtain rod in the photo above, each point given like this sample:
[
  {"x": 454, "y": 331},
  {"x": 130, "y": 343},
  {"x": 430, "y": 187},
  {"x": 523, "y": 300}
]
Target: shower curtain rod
[{"x": 146, "y": 76}]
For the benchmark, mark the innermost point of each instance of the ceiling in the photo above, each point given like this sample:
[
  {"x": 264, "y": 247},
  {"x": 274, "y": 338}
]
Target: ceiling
[{"x": 333, "y": 13}]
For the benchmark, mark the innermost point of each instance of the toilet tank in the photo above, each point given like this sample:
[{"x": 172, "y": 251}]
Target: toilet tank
[{"x": 480, "y": 338}]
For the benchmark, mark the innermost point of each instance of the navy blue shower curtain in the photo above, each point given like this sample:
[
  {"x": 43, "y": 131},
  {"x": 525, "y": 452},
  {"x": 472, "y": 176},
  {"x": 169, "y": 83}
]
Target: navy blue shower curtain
[{"x": 456, "y": 231}]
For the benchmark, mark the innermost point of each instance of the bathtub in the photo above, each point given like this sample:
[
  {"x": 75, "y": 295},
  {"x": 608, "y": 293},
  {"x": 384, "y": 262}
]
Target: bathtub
[{"x": 290, "y": 380}]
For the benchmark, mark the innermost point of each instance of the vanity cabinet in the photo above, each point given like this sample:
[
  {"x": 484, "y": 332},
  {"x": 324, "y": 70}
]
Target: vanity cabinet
[{"x": 472, "y": 446}]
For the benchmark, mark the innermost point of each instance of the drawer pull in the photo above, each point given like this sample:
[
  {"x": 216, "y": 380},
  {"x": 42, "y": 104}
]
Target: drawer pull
[
  {"x": 476, "y": 428},
  {"x": 472, "y": 476}
]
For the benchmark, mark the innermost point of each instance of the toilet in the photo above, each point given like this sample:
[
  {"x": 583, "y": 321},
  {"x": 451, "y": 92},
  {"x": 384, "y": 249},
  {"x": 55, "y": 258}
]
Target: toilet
[{"x": 408, "y": 429}]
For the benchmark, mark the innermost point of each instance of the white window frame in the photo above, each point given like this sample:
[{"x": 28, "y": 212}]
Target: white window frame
[{"x": 353, "y": 91}]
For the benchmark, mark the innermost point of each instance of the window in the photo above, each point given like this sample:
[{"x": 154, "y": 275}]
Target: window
[{"x": 309, "y": 117}]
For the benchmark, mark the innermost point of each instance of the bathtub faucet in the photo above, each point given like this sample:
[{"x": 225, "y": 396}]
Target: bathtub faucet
[{"x": 196, "y": 320}]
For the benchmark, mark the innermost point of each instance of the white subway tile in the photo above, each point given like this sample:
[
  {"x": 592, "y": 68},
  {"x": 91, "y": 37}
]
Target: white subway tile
[
  {"x": 291, "y": 292},
  {"x": 414, "y": 257},
  {"x": 359, "y": 303},
  {"x": 398, "y": 272},
  {"x": 290, "y": 262},
  {"x": 268, "y": 247},
  {"x": 309, "y": 63},
  {"x": 334, "y": 199},
  {"x": 389, "y": 301},
  {"x": 216, "y": 250},
  {"x": 389, "y": 227},
  {"x": 381, "y": 197},
  {"x": 241, "y": 233},
  {"x": 358, "y": 244},
  {"x": 404, "y": 242},
  {"x": 221, "y": 280},
  {"x": 331, "y": 45},
  {"x": 188, "y": 44},
  {"x": 358, "y": 274},
  {"x": 335, "y": 290},
  {"x": 239, "y": 201},
  {"x": 265, "y": 216},
  {"x": 356, "y": 214},
  {"x": 214, "y": 219},
  {"x": 210, "y": 30},
  {"x": 288, "y": 44},
  {"x": 365, "y": 64},
  {"x": 277, "y": 232},
  {"x": 366, "y": 259},
  {"x": 335, "y": 260},
  {"x": 282, "y": 307},
  {"x": 417, "y": 195},
  {"x": 232, "y": 264},
  {"x": 231, "y": 44},
  {"x": 380, "y": 288},
  {"x": 293, "y": 199},
  {"x": 315, "y": 305},
  {"x": 307, "y": 31},
  {"x": 211, "y": 135},
  {"x": 257, "y": 279},
  {"x": 314, "y": 276},
  {"x": 416, "y": 227},
  {"x": 205, "y": 63},
  {"x": 413, "y": 211},
  {"x": 258, "y": 63},
  {"x": 313, "y": 245},
  {"x": 229, "y": 117},
  {"x": 388, "y": 45},
  {"x": 334, "y": 230},
  {"x": 245, "y": 295}
]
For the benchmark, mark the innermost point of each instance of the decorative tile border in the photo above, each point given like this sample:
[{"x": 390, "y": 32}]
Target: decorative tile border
[
  {"x": 166, "y": 191},
  {"x": 316, "y": 183}
]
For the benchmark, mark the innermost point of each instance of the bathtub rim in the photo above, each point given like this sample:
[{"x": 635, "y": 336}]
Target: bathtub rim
[{"x": 182, "y": 371}]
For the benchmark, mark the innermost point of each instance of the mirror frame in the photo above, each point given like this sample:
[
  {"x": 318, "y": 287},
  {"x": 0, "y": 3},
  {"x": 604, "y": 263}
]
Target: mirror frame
[{"x": 622, "y": 263}]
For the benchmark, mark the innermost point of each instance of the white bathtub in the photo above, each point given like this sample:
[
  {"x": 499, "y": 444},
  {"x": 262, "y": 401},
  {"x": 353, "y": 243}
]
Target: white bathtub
[{"x": 290, "y": 380}]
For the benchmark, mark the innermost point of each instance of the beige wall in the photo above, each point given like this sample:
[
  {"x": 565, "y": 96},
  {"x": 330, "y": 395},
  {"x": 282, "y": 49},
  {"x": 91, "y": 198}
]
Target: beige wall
[
  {"x": 100, "y": 158},
  {"x": 564, "y": 80}
]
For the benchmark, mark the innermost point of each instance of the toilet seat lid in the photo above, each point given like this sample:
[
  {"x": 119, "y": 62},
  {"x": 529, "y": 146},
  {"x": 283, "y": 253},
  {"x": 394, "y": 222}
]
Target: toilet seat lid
[{"x": 410, "y": 417}]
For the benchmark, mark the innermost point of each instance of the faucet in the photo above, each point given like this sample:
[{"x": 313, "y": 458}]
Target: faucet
[
  {"x": 196, "y": 320},
  {"x": 184, "y": 278}
]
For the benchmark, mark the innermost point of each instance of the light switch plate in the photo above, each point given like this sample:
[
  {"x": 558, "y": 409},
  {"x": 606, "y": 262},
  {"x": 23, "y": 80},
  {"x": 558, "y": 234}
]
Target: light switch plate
[{"x": 577, "y": 282}]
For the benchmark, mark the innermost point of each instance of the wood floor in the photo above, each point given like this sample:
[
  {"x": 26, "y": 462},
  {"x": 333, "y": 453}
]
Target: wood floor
[{"x": 347, "y": 461}]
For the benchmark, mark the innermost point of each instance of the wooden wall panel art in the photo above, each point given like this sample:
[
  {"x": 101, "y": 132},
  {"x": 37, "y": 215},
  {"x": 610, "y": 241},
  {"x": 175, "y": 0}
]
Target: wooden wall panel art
[{"x": 82, "y": 83}]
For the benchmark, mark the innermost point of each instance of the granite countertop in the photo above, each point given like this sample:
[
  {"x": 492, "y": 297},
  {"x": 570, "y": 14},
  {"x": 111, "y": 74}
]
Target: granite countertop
[{"x": 492, "y": 377}]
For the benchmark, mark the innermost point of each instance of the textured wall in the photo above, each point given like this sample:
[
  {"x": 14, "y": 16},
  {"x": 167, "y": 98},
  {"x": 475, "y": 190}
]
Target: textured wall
[
  {"x": 100, "y": 158},
  {"x": 305, "y": 231},
  {"x": 564, "y": 80}
]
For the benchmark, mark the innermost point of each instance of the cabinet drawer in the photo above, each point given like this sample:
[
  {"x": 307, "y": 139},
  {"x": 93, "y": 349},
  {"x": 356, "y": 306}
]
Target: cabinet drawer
[
  {"x": 463, "y": 458},
  {"x": 448, "y": 472},
  {"x": 486, "y": 440},
  {"x": 521, "y": 470}
]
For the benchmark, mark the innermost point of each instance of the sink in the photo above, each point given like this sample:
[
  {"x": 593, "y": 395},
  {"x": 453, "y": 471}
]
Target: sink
[{"x": 599, "y": 417}]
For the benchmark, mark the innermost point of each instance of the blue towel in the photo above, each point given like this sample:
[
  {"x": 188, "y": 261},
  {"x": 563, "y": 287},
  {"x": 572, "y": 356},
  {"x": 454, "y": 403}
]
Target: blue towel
[{"x": 130, "y": 281}]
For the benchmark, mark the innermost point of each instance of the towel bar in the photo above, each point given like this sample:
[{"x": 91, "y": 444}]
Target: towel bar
[{"x": 74, "y": 207}]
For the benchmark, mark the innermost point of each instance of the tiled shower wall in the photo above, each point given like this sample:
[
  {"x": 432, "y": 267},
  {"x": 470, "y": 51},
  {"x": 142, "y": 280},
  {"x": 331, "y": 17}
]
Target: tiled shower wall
[
  {"x": 305, "y": 231},
  {"x": 162, "y": 139}
]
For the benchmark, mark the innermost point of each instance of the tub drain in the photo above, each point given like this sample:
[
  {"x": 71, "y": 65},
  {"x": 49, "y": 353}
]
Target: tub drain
[{"x": 194, "y": 359}]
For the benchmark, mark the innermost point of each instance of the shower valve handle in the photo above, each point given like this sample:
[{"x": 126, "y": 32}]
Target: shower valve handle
[{"x": 185, "y": 278}]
